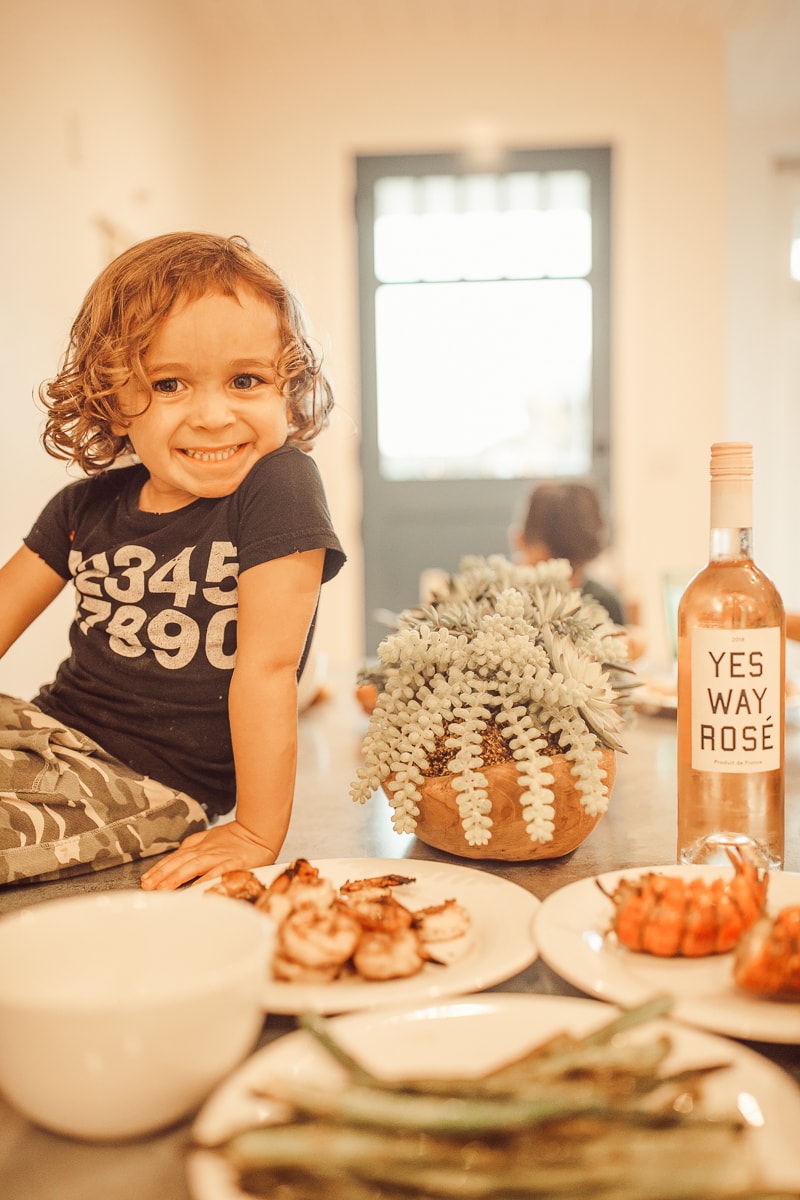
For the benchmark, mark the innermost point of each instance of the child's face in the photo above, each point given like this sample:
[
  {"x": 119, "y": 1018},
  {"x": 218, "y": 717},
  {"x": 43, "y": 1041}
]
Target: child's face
[{"x": 214, "y": 410}]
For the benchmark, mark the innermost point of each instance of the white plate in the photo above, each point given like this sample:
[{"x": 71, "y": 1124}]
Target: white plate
[
  {"x": 502, "y": 916},
  {"x": 655, "y": 699},
  {"x": 483, "y": 1031},
  {"x": 570, "y": 931}
]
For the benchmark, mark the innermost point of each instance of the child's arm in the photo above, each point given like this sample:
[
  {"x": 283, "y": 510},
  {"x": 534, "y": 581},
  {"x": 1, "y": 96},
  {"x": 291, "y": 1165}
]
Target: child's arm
[
  {"x": 27, "y": 587},
  {"x": 276, "y": 605}
]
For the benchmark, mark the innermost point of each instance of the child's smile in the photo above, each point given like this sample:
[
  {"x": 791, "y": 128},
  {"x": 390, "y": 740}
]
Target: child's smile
[
  {"x": 214, "y": 409},
  {"x": 213, "y": 455}
]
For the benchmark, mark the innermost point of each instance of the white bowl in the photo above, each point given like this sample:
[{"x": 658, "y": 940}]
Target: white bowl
[{"x": 121, "y": 1010}]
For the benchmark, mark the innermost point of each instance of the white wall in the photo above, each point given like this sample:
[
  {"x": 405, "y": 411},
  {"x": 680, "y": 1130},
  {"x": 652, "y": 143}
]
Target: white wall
[
  {"x": 100, "y": 146},
  {"x": 245, "y": 116},
  {"x": 383, "y": 78},
  {"x": 764, "y": 303}
]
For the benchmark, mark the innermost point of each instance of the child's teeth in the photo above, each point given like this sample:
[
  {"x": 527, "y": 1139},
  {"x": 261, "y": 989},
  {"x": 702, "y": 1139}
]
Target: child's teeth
[{"x": 212, "y": 455}]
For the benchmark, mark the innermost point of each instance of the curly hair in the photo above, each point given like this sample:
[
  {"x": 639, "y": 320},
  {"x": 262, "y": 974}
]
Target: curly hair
[
  {"x": 567, "y": 518},
  {"x": 121, "y": 315}
]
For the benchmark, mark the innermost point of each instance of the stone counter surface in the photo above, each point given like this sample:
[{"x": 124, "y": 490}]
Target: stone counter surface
[{"x": 638, "y": 831}]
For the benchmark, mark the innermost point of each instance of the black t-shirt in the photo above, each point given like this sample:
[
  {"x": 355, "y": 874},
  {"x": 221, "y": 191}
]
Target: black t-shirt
[{"x": 153, "y": 640}]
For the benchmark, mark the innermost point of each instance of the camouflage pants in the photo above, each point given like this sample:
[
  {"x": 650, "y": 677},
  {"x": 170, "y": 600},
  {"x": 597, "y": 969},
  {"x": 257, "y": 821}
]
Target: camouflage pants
[{"x": 67, "y": 807}]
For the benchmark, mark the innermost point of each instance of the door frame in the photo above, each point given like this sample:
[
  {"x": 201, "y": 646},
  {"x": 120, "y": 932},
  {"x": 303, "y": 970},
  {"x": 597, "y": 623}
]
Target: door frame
[{"x": 385, "y": 502}]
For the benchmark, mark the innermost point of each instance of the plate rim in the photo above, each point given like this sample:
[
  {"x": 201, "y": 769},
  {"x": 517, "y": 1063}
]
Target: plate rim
[{"x": 684, "y": 1010}]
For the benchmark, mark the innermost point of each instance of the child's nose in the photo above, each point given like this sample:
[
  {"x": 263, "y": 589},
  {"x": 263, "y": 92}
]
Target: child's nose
[{"x": 211, "y": 409}]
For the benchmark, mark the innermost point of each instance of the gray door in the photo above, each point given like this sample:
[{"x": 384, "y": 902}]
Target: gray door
[{"x": 484, "y": 322}]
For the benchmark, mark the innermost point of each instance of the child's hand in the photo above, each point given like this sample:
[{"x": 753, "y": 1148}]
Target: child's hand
[{"x": 204, "y": 856}]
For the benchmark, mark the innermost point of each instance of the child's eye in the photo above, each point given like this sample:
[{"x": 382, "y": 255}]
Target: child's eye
[
  {"x": 167, "y": 386},
  {"x": 243, "y": 383}
]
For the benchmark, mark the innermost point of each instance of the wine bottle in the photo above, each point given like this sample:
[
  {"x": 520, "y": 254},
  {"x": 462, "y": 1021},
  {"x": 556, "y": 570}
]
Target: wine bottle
[{"x": 731, "y": 686}]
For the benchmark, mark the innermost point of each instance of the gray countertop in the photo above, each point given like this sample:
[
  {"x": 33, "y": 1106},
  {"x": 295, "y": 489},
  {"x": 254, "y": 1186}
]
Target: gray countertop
[{"x": 639, "y": 830}]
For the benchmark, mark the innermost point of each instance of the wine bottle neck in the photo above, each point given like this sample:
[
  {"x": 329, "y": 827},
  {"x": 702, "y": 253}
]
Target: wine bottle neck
[
  {"x": 731, "y": 543},
  {"x": 731, "y": 519}
]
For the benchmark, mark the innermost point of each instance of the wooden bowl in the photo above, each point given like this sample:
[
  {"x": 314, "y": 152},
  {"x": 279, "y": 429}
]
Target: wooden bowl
[{"x": 439, "y": 823}]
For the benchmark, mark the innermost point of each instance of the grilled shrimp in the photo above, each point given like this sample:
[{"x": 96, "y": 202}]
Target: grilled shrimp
[
  {"x": 377, "y": 887},
  {"x": 382, "y": 913},
  {"x": 442, "y": 922},
  {"x": 300, "y": 869},
  {"x": 239, "y": 885},
  {"x": 445, "y": 931},
  {"x": 319, "y": 939},
  {"x": 381, "y": 955},
  {"x": 286, "y": 970},
  {"x": 311, "y": 893},
  {"x": 380, "y": 883},
  {"x": 299, "y": 886},
  {"x": 670, "y": 916},
  {"x": 767, "y": 961}
]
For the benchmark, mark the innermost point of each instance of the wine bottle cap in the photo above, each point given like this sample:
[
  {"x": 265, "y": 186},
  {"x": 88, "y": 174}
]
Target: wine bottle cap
[
  {"x": 732, "y": 460},
  {"x": 731, "y": 485}
]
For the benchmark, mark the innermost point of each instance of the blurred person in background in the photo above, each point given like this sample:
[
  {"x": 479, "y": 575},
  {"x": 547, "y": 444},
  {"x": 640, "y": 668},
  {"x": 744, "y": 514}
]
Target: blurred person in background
[{"x": 564, "y": 519}]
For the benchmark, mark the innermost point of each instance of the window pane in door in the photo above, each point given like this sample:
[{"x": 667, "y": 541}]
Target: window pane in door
[
  {"x": 484, "y": 380},
  {"x": 523, "y": 224}
]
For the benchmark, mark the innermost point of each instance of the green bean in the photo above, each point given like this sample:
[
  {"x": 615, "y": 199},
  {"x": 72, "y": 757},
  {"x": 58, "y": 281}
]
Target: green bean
[
  {"x": 367, "y": 1107},
  {"x": 690, "y": 1159},
  {"x": 323, "y": 1149},
  {"x": 576, "y": 1116},
  {"x": 318, "y": 1027}
]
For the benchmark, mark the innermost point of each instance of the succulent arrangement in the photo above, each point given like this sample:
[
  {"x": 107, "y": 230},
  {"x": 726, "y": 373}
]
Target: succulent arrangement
[{"x": 506, "y": 663}]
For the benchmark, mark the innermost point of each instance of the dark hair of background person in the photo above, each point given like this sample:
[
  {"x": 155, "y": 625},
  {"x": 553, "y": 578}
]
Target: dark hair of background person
[{"x": 567, "y": 519}]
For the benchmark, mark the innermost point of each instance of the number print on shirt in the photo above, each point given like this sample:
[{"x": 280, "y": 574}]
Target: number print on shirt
[
  {"x": 137, "y": 560},
  {"x": 174, "y": 577},
  {"x": 124, "y": 598}
]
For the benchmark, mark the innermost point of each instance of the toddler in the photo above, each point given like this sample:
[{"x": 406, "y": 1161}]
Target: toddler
[{"x": 196, "y": 542}]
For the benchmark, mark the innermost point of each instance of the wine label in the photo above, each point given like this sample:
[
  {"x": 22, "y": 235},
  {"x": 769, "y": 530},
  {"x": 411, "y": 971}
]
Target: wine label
[{"x": 737, "y": 706}]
